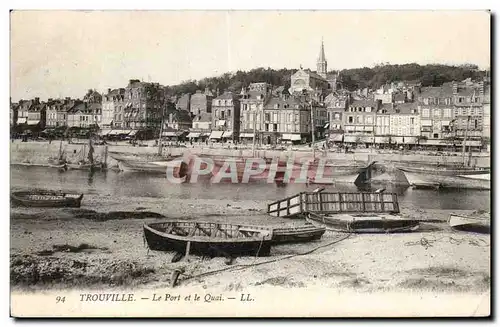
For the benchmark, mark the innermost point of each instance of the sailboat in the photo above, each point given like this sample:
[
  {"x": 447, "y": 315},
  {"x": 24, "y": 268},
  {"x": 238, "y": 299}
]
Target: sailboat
[
  {"x": 450, "y": 176},
  {"x": 60, "y": 161},
  {"x": 85, "y": 163}
]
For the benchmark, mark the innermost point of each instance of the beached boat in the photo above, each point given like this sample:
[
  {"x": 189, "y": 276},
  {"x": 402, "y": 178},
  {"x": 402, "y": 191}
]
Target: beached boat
[
  {"x": 46, "y": 199},
  {"x": 470, "y": 223},
  {"x": 294, "y": 234},
  {"x": 83, "y": 166},
  {"x": 179, "y": 167},
  {"x": 206, "y": 238},
  {"x": 244, "y": 163},
  {"x": 291, "y": 234},
  {"x": 363, "y": 223},
  {"x": 448, "y": 177}
]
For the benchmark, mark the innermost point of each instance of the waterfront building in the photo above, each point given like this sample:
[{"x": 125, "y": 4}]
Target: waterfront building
[
  {"x": 143, "y": 105},
  {"x": 57, "y": 112},
  {"x": 225, "y": 117},
  {"x": 112, "y": 106},
  {"x": 183, "y": 102},
  {"x": 201, "y": 102},
  {"x": 252, "y": 109},
  {"x": 359, "y": 121},
  {"x": 436, "y": 108}
]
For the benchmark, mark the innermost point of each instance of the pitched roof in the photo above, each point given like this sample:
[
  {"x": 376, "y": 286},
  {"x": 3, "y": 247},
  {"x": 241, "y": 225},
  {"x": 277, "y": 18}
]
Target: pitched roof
[
  {"x": 364, "y": 103},
  {"x": 406, "y": 108},
  {"x": 227, "y": 95},
  {"x": 399, "y": 96},
  {"x": 203, "y": 117},
  {"x": 290, "y": 101}
]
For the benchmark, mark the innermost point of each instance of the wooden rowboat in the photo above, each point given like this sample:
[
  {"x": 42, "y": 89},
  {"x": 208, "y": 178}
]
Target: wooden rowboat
[
  {"x": 291, "y": 234},
  {"x": 363, "y": 223},
  {"x": 46, "y": 199},
  {"x": 470, "y": 224},
  {"x": 206, "y": 238}
]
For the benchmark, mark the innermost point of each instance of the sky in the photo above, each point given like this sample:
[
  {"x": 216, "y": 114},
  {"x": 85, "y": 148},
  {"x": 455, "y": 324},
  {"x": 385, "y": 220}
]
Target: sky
[{"x": 58, "y": 54}]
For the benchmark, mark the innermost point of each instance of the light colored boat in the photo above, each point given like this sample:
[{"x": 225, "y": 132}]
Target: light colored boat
[
  {"x": 448, "y": 177},
  {"x": 363, "y": 223},
  {"x": 470, "y": 223},
  {"x": 179, "y": 167}
]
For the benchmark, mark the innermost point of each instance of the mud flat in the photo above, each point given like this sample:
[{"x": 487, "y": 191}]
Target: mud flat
[{"x": 101, "y": 245}]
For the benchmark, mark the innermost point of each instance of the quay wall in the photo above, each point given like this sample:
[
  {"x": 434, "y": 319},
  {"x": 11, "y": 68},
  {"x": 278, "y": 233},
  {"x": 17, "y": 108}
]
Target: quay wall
[{"x": 40, "y": 152}]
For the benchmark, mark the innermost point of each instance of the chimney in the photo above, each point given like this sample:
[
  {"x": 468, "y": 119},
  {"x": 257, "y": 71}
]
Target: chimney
[
  {"x": 37, "y": 100},
  {"x": 455, "y": 87},
  {"x": 50, "y": 100},
  {"x": 109, "y": 90}
]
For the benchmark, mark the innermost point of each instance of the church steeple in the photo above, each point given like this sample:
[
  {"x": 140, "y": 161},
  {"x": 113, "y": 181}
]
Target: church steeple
[{"x": 321, "y": 65}]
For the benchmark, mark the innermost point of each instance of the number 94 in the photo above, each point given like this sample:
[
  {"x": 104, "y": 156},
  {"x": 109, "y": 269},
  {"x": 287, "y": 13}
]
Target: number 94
[{"x": 60, "y": 299}]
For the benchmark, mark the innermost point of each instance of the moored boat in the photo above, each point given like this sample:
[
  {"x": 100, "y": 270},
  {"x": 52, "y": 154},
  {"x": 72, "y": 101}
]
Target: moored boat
[
  {"x": 448, "y": 177},
  {"x": 208, "y": 238},
  {"x": 46, "y": 199},
  {"x": 363, "y": 223},
  {"x": 179, "y": 167},
  {"x": 469, "y": 223}
]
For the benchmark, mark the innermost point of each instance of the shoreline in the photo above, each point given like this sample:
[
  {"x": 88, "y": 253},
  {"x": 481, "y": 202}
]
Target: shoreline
[{"x": 101, "y": 245}]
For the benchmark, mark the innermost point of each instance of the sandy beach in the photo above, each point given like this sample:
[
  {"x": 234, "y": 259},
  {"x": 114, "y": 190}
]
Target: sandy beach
[{"x": 101, "y": 245}]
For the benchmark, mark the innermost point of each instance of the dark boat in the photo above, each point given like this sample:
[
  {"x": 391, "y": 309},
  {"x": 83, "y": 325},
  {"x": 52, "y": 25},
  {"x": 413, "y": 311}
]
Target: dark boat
[
  {"x": 205, "y": 238},
  {"x": 46, "y": 199},
  {"x": 358, "y": 223},
  {"x": 291, "y": 234},
  {"x": 304, "y": 233},
  {"x": 470, "y": 223}
]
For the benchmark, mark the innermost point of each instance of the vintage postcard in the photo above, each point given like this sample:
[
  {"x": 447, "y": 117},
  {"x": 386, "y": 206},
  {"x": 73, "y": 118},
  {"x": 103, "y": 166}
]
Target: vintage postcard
[{"x": 250, "y": 163}]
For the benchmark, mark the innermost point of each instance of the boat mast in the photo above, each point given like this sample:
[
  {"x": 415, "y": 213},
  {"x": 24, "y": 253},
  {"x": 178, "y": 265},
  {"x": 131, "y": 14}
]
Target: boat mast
[
  {"x": 161, "y": 132},
  {"x": 467, "y": 130},
  {"x": 254, "y": 130},
  {"x": 312, "y": 131}
]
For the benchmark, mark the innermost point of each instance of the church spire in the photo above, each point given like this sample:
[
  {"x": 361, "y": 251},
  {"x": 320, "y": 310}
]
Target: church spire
[{"x": 321, "y": 65}]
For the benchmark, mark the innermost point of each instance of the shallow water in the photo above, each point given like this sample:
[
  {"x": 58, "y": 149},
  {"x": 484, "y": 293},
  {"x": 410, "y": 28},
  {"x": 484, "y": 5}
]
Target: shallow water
[{"x": 140, "y": 185}]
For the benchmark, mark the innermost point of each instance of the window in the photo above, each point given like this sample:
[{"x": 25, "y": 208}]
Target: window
[
  {"x": 425, "y": 112},
  {"x": 447, "y": 113},
  {"x": 369, "y": 119},
  {"x": 359, "y": 119},
  {"x": 275, "y": 127},
  {"x": 268, "y": 117},
  {"x": 460, "y": 99},
  {"x": 229, "y": 113},
  {"x": 412, "y": 121},
  {"x": 436, "y": 135},
  {"x": 350, "y": 119},
  {"x": 337, "y": 116},
  {"x": 222, "y": 114}
]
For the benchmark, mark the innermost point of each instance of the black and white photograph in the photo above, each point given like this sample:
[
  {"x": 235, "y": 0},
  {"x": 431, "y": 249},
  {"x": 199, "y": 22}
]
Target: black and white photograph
[{"x": 250, "y": 163}]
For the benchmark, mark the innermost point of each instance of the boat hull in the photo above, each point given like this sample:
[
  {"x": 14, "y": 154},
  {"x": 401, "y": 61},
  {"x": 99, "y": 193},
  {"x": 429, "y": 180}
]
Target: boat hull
[
  {"x": 470, "y": 224},
  {"x": 474, "y": 181},
  {"x": 46, "y": 199},
  {"x": 363, "y": 224},
  {"x": 210, "y": 246},
  {"x": 179, "y": 168}
]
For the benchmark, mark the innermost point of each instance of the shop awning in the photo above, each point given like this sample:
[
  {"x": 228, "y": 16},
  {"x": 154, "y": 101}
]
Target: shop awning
[
  {"x": 291, "y": 137},
  {"x": 327, "y": 125},
  {"x": 381, "y": 139},
  {"x": 33, "y": 122},
  {"x": 472, "y": 143},
  {"x": 350, "y": 138},
  {"x": 359, "y": 128},
  {"x": 246, "y": 135},
  {"x": 409, "y": 140},
  {"x": 132, "y": 132},
  {"x": 367, "y": 139},
  {"x": 216, "y": 134},
  {"x": 349, "y": 128},
  {"x": 114, "y": 132},
  {"x": 205, "y": 134},
  {"x": 445, "y": 122},
  {"x": 336, "y": 137},
  {"x": 125, "y": 132},
  {"x": 171, "y": 133},
  {"x": 426, "y": 122},
  {"x": 227, "y": 134},
  {"x": 369, "y": 128},
  {"x": 193, "y": 135},
  {"x": 105, "y": 132},
  {"x": 221, "y": 123},
  {"x": 22, "y": 120}
]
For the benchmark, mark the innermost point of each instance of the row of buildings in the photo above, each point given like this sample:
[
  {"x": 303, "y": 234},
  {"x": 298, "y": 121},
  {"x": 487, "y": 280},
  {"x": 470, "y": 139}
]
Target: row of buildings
[{"x": 315, "y": 102}]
